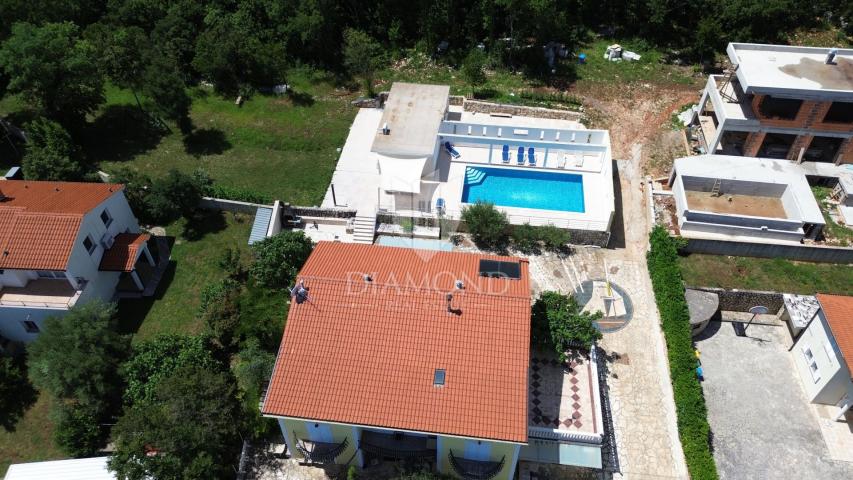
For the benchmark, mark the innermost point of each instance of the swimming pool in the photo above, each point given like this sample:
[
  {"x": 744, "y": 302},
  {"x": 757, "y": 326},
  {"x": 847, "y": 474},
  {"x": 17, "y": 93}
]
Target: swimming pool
[
  {"x": 418, "y": 243},
  {"x": 509, "y": 187}
]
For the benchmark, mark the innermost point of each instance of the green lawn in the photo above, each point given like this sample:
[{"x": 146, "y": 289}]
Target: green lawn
[
  {"x": 196, "y": 253},
  {"x": 774, "y": 274},
  {"x": 32, "y": 440}
]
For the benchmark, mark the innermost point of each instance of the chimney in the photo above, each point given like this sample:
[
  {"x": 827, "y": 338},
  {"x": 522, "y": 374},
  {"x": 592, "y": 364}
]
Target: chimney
[
  {"x": 830, "y": 57},
  {"x": 367, "y": 278},
  {"x": 385, "y": 129},
  {"x": 460, "y": 285},
  {"x": 449, "y": 303}
]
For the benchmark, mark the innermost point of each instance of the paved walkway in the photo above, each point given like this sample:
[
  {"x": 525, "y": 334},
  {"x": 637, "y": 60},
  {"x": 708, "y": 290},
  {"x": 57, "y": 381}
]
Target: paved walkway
[
  {"x": 640, "y": 390},
  {"x": 762, "y": 423}
]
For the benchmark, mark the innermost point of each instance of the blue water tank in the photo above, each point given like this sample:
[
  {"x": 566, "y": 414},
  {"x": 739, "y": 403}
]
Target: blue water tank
[{"x": 582, "y": 58}]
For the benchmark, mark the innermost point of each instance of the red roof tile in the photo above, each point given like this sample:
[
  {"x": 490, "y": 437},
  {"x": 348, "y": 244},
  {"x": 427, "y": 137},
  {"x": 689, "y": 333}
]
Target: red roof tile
[
  {"x": 121, "y": 257},
  {"x": 365, "y": 353},
  {"x": 39, "y": 221},
  {"x": 838, "y": 310}
]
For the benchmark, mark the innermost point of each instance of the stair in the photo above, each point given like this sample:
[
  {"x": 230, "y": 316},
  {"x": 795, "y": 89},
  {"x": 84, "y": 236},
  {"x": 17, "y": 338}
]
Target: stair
[
  {"x": 474, "y": 176},
  {"x": 364, "y": 227}
]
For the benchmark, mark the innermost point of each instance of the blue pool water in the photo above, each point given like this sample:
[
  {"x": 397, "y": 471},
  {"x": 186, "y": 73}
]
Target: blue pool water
[
  {"x": 524, "y": 188},
  {"x": 419, "y": 243}
]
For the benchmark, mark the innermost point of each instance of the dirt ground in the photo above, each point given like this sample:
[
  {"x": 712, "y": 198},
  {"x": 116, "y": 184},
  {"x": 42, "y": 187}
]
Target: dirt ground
[{"x": 640, "y": 113}]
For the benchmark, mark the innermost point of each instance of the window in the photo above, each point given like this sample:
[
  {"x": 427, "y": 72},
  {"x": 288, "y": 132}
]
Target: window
[
  {"x": 106, "y": 218},
  {"x": 30, "y": 326},
  {"x": 839, "y": 112},
  {"x": 51, "y": 274},
  {"x": 89, "y": 244},
  {"x": 812, "y": 363},
  {"x": 781, "y": 108},
  {"x": 438, "y": 377}
]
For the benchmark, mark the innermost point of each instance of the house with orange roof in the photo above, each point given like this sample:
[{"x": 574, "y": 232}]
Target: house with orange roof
[
  {"x": 823, "y": 352},
  {"x": 397, "y": 353},
  {"x": 63, "y": 244}
]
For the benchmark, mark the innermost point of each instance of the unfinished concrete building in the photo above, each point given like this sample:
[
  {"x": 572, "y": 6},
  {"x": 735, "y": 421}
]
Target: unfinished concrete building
[{"x": 781, "y": 102}]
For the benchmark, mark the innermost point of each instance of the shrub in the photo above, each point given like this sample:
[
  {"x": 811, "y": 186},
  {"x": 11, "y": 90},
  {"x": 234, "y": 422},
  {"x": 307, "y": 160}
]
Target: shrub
[
  {"x": 163, "y": 200},
  {"x": 693, "y": 428},
  {"x": 553, "y": 238},
  {"x": 279, "y": 258},
  {"x": 558, "y": 320},
  {"x": 529, "y": 239},
  {"x": 525, "y": 238},
  {"x": 78, "y": 432},
  {"x": 220, "y": 311},
  {"x": 487, "y": 225},
  {"x": 51, "y": 153},
  {"x": 16, "y": 392}
]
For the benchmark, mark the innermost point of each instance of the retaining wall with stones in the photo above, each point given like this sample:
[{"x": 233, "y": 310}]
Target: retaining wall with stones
[
  {"x": 807, "y": 253},
  {"x": 210, "y": 203},
  {"x": 456, "y": 100},
  {"x": 743, "y": 300},
  {"x": 520, "y": 110},
  {"x": 589, "y": 237},
  {"x": 288, "y": 209}
]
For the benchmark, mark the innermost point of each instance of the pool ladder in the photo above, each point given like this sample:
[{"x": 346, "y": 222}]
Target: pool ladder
[{"x": 715, "y": 190}]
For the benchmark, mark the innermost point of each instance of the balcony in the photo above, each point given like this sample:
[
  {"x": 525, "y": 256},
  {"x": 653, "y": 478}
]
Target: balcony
[
  {"x": 475, "y": 469},
  {"x": 397, "y": 445},
  {"x": 41, "y": 293},
  {"x": 320, "y": 452}
]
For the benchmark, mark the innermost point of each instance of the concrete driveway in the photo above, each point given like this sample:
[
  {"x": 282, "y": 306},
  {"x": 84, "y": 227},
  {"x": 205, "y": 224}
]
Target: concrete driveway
[{"x": 762, "y": 424}]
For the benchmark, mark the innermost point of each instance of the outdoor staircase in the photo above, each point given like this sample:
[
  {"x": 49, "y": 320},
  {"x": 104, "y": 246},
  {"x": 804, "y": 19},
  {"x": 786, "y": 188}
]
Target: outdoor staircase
[
  {"x": 364, "y": 227},
  {"x": 474, "y": 176}
]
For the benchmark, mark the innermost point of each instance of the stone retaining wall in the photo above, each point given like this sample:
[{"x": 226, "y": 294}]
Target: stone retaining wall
[
  {"x": 456, "y": 100},
  {"x": 743, "y": 300},
  {"x": 589, "y": 237},
  {"x": 318, "y": 211},
  {"x": 520, "y": 110},
  {"x": 210, "y": 203}
]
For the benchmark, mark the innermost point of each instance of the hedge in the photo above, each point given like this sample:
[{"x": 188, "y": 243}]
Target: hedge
[
  {"x": 693, "y": 428},
  {"x": 237, "y": 193}
]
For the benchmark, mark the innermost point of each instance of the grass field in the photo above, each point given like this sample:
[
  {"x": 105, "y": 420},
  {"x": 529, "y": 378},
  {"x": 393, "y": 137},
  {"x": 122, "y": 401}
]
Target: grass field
[
  {"x": 32, "y": 439},
  {"x": 198, "y": 247},
  {"x": 774, "y": 274}
]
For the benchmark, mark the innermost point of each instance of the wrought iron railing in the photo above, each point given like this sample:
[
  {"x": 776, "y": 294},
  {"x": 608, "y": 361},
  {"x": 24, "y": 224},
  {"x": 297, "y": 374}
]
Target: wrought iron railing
[
  {"x": 320, "y": 452},
  {"x": 475, "y": 469}
]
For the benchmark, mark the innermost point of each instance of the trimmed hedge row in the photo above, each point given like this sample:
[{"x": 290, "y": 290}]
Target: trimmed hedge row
[
  {"x": 239, "y": 194},
  {"x": 693, "y": 428}
]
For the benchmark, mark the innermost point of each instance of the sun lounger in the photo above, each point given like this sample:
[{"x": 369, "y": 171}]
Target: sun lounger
[
  {"x": 452, "y": 151},
  {"x": 520, "y": 157},
  {"x": 505, "y": 154},
  {"x": 578, "y": 160},
  {"x": 439, "y": 205},
  {"x": 531, "y": 157},
  {"x": 561, "y": 163}
]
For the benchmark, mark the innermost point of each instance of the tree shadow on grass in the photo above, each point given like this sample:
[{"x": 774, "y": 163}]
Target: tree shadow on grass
[
  {"x": 300, "y": 99},
  {"x": 17, "y": 404},
  {"x": 203, "y": 222},
  {"x": 206, "y": 141},
  {"x": 120, "y": 133}
]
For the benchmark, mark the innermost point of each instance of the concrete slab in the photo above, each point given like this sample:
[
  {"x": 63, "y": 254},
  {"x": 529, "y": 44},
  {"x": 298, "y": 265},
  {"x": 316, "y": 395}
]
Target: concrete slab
[{"x": 762, "y": 423}]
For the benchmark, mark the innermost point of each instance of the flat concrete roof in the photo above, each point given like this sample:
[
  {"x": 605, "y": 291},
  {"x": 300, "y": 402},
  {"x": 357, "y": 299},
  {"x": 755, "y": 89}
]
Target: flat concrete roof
[
  {"x": 790, "y": 71},
  {"x": 413, "y": 113},
  {"x": 751, "y": 169}
]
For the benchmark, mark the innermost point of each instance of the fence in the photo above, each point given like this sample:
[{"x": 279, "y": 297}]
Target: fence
[{"x": 807, "y": 253}]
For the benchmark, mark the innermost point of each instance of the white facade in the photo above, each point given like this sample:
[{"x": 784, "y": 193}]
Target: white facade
[
  {"x": 37, "y": 295},
  {"x": 820, "y": 364}
]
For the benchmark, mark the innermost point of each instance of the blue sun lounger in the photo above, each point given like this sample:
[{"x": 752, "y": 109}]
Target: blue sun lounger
[
  {"x": 452, "y": 151},
  {"x": 439, "y": 205},
  {"x": 531, "y": 157},
  {"x": 520, "y": 157},
  {"x": 505, "y": 154}
]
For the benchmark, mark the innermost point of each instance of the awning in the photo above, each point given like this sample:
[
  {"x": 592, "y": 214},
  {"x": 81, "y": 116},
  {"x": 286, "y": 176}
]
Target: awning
[
  {"x": 401, "y": 174},
  {"x": 122, "y": 255}
]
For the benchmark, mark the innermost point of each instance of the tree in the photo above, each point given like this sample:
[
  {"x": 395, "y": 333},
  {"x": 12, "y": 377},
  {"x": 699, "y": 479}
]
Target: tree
[
  {"x": 77, "y": 356},
  {"x": 51, "y": 153},
  {"x": 165, "y": 91},
  {"x": 154, "y": 360},
  {"x": 124, "y": 52},
  {"x": 220, "y": 311},
  {"x": 278, "y": 259},
  {"x": 474, "y": 69},
  {"x": 558, "y": 320},
  {"x": 53, "y": 68},
  {"x": 16, "y": 392},
  {"x": 188, "y": 429},
  {"x": 78, "y": 431},
  {"x": 162, "y": 200},
  {"x": 362, "y": 56},
  {"x": 486, "y": 224}
]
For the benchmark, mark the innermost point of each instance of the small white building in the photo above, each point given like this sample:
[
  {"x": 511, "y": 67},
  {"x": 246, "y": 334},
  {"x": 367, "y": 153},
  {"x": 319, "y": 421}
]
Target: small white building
[
  {"x": 761, "y": 200},
  {"x": 63, "y": 244},
  {"x": 74, "y": 469},
  {"x": 823, "y": 353}
]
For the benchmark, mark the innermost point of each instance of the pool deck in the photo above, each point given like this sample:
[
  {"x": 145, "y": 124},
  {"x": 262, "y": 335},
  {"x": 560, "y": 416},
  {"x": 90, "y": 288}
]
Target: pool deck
[{"x": 357, "y": 179}]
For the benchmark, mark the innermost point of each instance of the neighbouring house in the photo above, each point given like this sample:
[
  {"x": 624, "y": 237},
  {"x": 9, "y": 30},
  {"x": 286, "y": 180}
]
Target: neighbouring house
[
  {"x": 63, "y": 244},
  {"x": 782, "y": 102},
  {"x": 761, "y": 200},
  {"x": 419, "y": 156},
  {"x": 823, "y": 351},
  {"x": 75, "y": 469},
  {"x": 397, "y": 353}
]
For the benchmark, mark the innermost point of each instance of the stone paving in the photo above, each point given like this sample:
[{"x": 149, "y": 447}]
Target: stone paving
[
  {"x": 640, "y": 390},
  {"x": 762, "y": 423}
]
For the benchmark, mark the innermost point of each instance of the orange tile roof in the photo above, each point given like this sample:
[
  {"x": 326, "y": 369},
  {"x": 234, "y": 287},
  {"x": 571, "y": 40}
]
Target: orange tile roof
[
  {"x": 364, "y": 353},
  {"x": 838, "y": 310},
  {"x": 121, "y": 257},
  {"x": 40, "y": 221}
]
